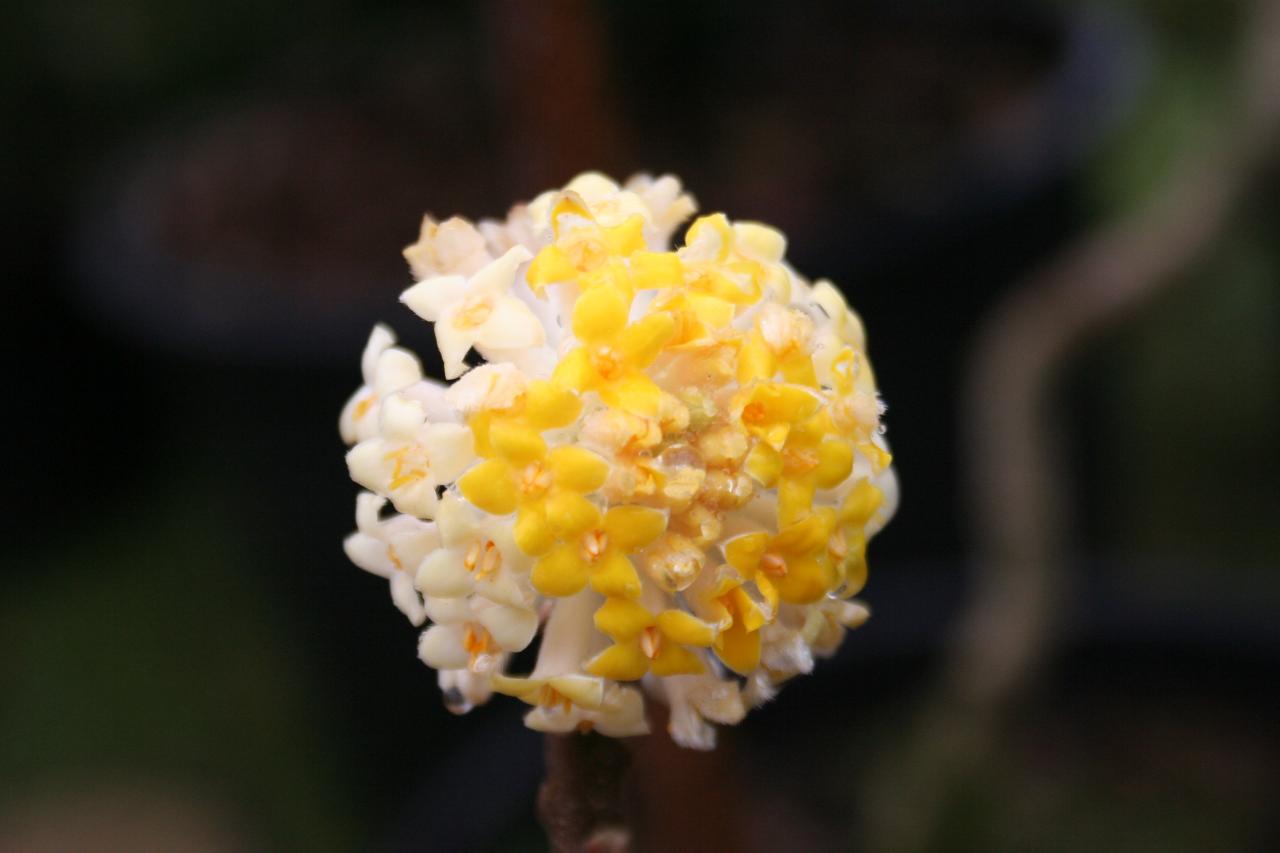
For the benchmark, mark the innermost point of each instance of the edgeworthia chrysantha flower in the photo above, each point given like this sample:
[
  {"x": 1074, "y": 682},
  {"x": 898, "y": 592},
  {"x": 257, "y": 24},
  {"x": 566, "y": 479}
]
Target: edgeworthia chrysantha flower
[{"x": 669, "y": 463}]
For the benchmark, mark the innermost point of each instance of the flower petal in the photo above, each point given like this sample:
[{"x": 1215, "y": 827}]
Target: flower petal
[
  {"x": 600, "y": 314},
  {"x": 549, "y": 406},
  {"x": 641, "y": 342},
  {"x": 511, "y": 325},
  {"x": 577, "y": 469},
  {"x": 489, "y": 486},
  {"x": 685, "y": 628},
  {"x": 631, "y": 528},
  {"x": 807, "y": 579},
  {"x": 739, "y": 649},
  {"x": 622, "y": 618},
  {"x": 560, "y": 573},
  {"x": 440, "y": 646},
  {"x": 614, "y": 575},
  {"x": 532, "y": 534},
  {"x": 570, "y": 515},
  {"x": 575, "y": 371},
  {"x": 744, "y": 552},
  {"x": 674, "y": 659},
  {"x": 512, "y": 628},
  {"x": 619, "y": 662},
  {"x": 443, "y": 575},
  {"x": 429, "y": 298},
  {"x": 451, "y": 449}
]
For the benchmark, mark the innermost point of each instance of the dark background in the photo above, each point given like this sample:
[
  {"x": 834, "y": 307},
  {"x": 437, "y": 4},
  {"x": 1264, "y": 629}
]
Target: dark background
[{"x": 206, "y": 207}]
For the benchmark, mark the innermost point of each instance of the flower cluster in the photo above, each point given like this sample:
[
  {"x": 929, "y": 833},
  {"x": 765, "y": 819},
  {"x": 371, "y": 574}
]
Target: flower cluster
[{"x": 669, "y": 462}]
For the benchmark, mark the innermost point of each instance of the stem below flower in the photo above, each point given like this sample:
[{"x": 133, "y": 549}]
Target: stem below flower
[{"x": 580, "y": 803}]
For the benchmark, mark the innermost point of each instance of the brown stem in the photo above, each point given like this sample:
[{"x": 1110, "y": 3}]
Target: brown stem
[{"x": 581, "y": 801}]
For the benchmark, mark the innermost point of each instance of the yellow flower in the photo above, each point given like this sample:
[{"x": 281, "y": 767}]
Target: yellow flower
[
  {"x": 598, "y": 549},
  {"x": 514, "y": 433},
  {"x": 582, "y": 245},
  {"x": 547, "y": 494},
  {"x": 814, "y": 457},
  {"x": 769, "y": 410},
  {"x": 713, "y": 267},
  {"x": 778, "y": 344},
  {"x": 644, "y": 642},
  {"x": 793, "y": 565},
  {"x": 722, "y": 598},
  {"x": 613, "y": 355},
  {"x": 849, "y": 542}
]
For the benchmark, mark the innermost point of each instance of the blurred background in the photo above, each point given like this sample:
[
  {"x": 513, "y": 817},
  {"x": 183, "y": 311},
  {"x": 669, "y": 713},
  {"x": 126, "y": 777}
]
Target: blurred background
[{"x": 1058, "y": 221}]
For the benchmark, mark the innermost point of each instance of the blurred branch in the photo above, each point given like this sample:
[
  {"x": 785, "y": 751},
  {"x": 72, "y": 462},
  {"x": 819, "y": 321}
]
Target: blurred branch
[
  {"x": 1016, "y": 482},
  {"x": 1018, "y": 488},
  {"x": 552, "y": 80}
]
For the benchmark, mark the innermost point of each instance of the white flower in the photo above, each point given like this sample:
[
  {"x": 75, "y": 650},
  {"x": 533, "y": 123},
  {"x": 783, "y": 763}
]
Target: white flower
[
  {"x": 473, "y": 634},
  {"x": 489, "y": 386},
  {"x": 479, "y": 311},
  {"x": 463, "y": 689},
  {"x": 619, "y": 714},
  {"x": 477, "y": 554},
  {"x": 386, "y": 369},
  {"x": 446, "y": 248},
  {"x": 668, "y": 204},
  {"x": 696, "y": 701},
  {"x": 410, "y": 457},
  {"x": 392, "y": 549}
]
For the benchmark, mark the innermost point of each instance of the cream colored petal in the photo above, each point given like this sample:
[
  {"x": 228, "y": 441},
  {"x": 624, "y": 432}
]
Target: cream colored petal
[
  {"x": 623, "y": 715},
  {"x": 452, "y": 246},
  {"x": 784, "y": 651},
  {"x": 457, "y": 521},
  {"x": 429, "y": 298},
  {"x": 400, "y": 417},
  {"x": 511, "y": 325},
  {"x": 379, "y": 339},
  {"x": 533, "y": 362},
  {"x": 443, "y": 575},
  {"x": 406, "y": 598},
  {"x": 451, "y": 449},
  {"x": 412, "y": 540},
  {"x": 463, "y": 689},
  {"x": 512, "y": 628},
  {"x": 689, "y": 729},
  {"x": 489, "y": 386},
  {"x": 397, "y": 368},
  {"x": 584, "y": 690},
  {"x": 759, "y": 242},
  {"x": 359, "y": 418},
  {"x": 369, "y": 554},
  {"x": 430, "y": 395},
  {"x": 887, "y": 482},
  {"x": 513, "y": 559},
  {"x": 553, "y": 720},
  {"x": 417, "y": 499},
  {"x": 367, "y": 467},
  {"x": 498, "y": 275},
  {"x": 448, "y": 611},
  {"x": 368, "y": 505},
  {"x": 503, "y": 589},
  {"x": 453, "y": 343},
  {"x": 440, "y": 646}
]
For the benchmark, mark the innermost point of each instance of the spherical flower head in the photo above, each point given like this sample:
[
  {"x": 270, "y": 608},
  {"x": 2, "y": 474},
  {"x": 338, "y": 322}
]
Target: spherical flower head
[{"x": 668, "y": 465}]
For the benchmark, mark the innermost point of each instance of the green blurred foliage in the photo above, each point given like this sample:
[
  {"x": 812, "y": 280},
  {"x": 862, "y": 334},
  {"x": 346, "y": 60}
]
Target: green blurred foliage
[{"x": 133, "y": 654}]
